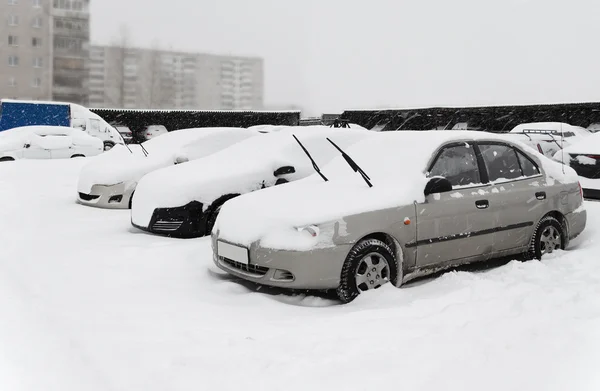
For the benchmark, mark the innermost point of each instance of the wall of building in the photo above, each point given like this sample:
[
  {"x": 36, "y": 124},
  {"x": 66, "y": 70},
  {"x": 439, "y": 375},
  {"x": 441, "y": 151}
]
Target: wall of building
[{"x": 25, "y": 47}]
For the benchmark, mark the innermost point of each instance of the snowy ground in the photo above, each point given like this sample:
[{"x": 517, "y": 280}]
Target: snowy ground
[{"x": 89, "y": 303}]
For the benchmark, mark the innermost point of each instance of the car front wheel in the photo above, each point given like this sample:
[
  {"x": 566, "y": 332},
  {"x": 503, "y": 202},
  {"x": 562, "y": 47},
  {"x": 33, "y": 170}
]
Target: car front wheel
[
  {"x": 369, "y": 265},
  {"x": 549, "y": 236}
]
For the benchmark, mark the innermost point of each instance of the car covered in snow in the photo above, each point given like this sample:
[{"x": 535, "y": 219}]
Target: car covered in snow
[
  {"x": 584, "y": 158},
  {"x": 426, "y": 201},
  {"x": 47, "y": 142},
  {"x": 549, "y": 137},
  {"x": 109, "y": 181},
  {"x": 153, "y": 131},
  {"x": 184, "y": 201}
]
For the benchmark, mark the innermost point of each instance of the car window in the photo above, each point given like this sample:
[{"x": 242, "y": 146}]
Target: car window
[
  {"x": 458, "y": 164},
  {"x": 95, "y": 124},
  {"x": 528, "y": 167},
  {"x": 501, "y": 162}
]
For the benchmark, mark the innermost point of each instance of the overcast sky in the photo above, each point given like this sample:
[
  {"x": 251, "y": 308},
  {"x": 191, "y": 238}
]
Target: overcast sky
[{"x": 328, "y": 55}]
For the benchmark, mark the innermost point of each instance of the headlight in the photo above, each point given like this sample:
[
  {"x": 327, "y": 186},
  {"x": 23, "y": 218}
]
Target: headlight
[{"x": 313, "y": 230}]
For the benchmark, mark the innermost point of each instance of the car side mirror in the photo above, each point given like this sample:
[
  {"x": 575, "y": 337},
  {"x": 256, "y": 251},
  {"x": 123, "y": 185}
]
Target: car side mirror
[
  {"x": 284, "y": 170},
  {"x": 27, "y": 145},
  {"x": 437, "y": 185}
]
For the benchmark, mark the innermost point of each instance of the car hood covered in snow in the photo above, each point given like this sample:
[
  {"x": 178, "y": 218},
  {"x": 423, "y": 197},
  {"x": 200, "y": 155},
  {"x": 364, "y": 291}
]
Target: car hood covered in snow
[
  {"x": 120, "y": 165},
  {"x": 395, "y": 162},
  {"x": 242, "y": 168}
]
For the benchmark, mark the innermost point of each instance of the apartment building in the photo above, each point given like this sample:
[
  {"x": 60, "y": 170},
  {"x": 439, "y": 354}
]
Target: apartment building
[
  {"x": 145, "y": 78},
  {"x": 44, "y": 49},
  {"x": 25, "y": 49}
]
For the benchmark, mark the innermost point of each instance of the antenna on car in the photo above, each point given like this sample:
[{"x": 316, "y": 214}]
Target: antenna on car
[
  {"x": 562, "y": 147},
  {"x": 314, "y": 164},
  {"x": 352, "y": 163}
]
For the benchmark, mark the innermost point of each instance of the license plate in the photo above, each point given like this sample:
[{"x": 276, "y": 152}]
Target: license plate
[{"x": 235, "y": 253}]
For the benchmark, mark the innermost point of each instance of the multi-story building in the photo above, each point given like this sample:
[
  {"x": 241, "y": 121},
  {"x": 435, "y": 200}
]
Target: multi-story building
[
  {"x": 144, "y": 78},
  {"x": 44, "y": 49},
  {"x": 25, "y": 49},
  {"x": 70, "y": 34}
]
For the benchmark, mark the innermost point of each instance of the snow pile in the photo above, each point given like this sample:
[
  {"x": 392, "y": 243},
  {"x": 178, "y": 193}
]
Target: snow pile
[
  {"x": 120, "y": 165},
  {"x": 396, "y": 163},
  {"x": 239, "y": 169}
]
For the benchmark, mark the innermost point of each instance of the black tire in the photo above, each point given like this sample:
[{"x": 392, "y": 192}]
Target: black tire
[
  {"x": 539, "y": 243},
  {"x": 348, "y": 289},
  {"x": 74, "y": 156},
  {"x": 6, "y": 159},
  {"x": 108, "y": 145}
]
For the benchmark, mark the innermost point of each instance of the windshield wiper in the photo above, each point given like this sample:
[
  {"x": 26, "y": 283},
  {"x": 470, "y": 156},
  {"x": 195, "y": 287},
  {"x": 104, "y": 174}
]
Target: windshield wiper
[
  {"x": 314, "y": 164},
  {"x": 352, "y": 163},
  {"x": 144, "y": 150}
]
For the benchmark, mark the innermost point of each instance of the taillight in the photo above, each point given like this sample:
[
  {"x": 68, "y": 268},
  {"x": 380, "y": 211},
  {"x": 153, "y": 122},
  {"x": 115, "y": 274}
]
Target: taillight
[
  {"x": 597, "y": 157},
  {"x": 540, "y": 149}
]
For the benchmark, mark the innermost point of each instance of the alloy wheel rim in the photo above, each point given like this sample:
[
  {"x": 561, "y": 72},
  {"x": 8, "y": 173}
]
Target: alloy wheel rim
[
  {"x": 373, "y": 271},
  {"x": 551, "y": 240}
]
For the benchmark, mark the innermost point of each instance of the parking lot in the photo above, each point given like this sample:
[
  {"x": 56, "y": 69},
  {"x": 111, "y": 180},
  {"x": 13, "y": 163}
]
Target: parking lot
[{"x": 92, "y": 303}]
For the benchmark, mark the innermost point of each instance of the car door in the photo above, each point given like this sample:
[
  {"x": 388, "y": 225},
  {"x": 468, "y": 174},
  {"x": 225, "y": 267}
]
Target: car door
[
  {"x": 62, "y": 146},
  {"x": 33, "y": 148},
  {"x": 455, "y": 225},
  {"x": 518, "y": 198}
]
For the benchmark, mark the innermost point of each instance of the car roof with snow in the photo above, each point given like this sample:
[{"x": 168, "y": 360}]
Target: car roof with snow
[
  {"x": 589, "y": 145},
  {"x": 551, "y": 127},
  {"x": 176, "y": 139}
]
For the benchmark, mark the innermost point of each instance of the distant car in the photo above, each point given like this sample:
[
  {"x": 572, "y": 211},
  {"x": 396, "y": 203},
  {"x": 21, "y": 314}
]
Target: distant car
[
  {"x": 126, "y": 133},
  {"x": 153, "y": 131},
  {"x": 584, "y": 158},
  {"x": 184, "y": 201},
  {"x": 438, "y": 200},
  {"x": 110, "y": 180},
  {"x": 549, "y": 137},
  {"x": 47, "y": 142}
]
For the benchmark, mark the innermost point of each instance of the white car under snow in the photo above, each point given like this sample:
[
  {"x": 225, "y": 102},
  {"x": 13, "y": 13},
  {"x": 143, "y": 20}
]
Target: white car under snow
[
  {"x": 184, "y": 201},
  {"x": 584, "y": 158},
  {"x": 47, "y": 142},
  {"x": 109, "y": 181},
  {"x": 548, "y": 137}
]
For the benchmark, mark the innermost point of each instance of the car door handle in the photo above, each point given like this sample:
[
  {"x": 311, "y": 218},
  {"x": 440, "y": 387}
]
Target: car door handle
[
  {"x": 482, "y": 204},
  {"x": 540, "y": 195}
]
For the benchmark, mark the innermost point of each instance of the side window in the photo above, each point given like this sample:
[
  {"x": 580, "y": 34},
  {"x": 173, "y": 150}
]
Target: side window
[
  {"x": 528, "y": 167},
  {"x": 501, "y": 162},
  {"x": 458, "y": 164},
  {"x": 95, "y": 125}
]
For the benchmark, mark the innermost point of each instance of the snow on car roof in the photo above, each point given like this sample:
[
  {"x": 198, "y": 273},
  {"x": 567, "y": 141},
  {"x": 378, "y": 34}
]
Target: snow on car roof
[
  {"x": 551, "y": 127},
  {"x": 395, "y": 162},
  {"x": 589, "y": 145}
]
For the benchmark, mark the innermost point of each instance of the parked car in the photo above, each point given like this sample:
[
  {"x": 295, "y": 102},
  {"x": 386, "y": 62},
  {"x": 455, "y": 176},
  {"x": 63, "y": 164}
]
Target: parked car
[
  {"x": 21, "y": 113},
  {"x": 111, "y": 180},
  {"x": 126, "y": 133},
  {"x": 47, "y": 142},
  {"x": 153, "y": 131},
  {"x": 438, "y": 199},
  {"x": 549, "y": 137},
  {"x": 184, "y": 201},
  {"x": 584, "y": 158}
]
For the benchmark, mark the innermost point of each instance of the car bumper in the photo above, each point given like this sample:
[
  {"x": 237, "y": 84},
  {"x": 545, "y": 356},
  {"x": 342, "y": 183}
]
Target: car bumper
[
  {"x": 111, "y": 197},
  {"x": 577, "y": 222},
  {"x": 318, "y": 269},
  {"x": 187, "y": 221}
]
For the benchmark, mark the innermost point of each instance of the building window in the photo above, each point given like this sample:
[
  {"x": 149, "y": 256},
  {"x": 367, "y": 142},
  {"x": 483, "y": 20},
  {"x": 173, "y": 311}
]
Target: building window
[
  {"x": 38, "y": 62},
  {"x": 75, "y": 5},
  {"x": 13, "y": 40},
  {"x": 12, "y": 82},
  {"x": 36, "y": 42},
  {"x": 37, "y": 82},
  {"x": 13, "y": 2},
  {"x": 13, "y": 20},
  {"x": 13, "y": 61},
  {"x": 37, "y": 22},
  {"x": 37, "y": 3}
]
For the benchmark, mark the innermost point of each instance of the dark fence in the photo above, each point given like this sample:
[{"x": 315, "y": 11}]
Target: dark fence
[
  {"x": 491, "y": 118},
  {"x": 138, "y": 120}
]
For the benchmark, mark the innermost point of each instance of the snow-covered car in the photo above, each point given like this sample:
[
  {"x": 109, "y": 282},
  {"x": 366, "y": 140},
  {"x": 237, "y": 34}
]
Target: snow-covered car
[
  {"x": 153, "y": 131},
  {"x": 109, "y": 181},
  {"x": 184, "y": 201},
  {"x": 125, "y": 133},
  {"x": 47, "y": 142},
  {"x": 438, "y": 199},
  {"x": 584, "y": 158},
  {"x": 549, "y": 137}
]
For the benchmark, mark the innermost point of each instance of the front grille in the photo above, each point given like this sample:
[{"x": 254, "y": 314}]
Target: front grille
[
  {"x": 167, "y": 225},
  {"x": 88, "y": 197},
  {"x": 252, "y": 269}
]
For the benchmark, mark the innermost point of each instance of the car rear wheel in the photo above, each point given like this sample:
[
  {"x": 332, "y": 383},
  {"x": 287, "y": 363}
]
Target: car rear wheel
[
  {"x": 549, "y": 236},
  {"x": 6, "y": 159},
  {"x": 369, "y": 265}
]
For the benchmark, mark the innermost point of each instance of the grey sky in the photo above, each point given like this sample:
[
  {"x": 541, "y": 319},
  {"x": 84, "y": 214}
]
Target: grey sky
[{"x": 327, "y": 55}]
